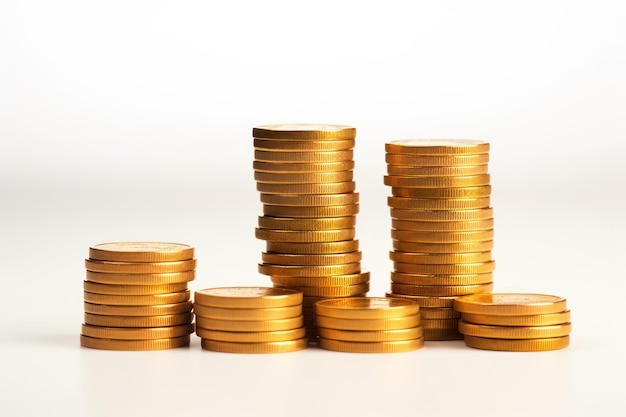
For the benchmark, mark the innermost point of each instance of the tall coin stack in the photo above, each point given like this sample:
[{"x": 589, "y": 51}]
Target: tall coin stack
[
  {"x": 514, "y": 322},
  {"x": 369, "y": 325},
  {"x": 305, "y": 176},
  {"x": 442, "y": 227},
  {"x": 136, "y": 296},
  {"x": 250, "y": 320}
]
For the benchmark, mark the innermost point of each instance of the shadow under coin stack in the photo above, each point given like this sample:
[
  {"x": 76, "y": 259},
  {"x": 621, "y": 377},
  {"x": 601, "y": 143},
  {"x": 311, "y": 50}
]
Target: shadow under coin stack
[
  {"x": 136, "y": 296},
  {"x": 514, "y": 322},
  {"x": 369, "y": 325},
  {"x": 305, "y": 176},
  {"x": 442, "y": 226},
  {"x": 250, "y": 320}
]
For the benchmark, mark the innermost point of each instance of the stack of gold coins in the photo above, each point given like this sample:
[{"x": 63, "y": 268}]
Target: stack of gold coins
[
  {"x": 369, "y": 325},
  {"x": 250, "y": 320},
  {"x": 514, "y": 322},
  {"x": 305, "y": 176},
  {"x": 136, "y": 296},
  {"x": 442, "y": 226}
]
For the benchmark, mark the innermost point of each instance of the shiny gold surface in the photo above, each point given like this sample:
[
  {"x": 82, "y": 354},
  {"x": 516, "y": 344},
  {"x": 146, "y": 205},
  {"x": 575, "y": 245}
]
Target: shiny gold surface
[
  {"x": 141, "y": 252},
  {"x": 247, "y": 297},
  {"x": 529, "y": 345}
]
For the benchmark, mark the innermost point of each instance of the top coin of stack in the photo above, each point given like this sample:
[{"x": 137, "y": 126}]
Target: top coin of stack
[
  {"x": 514, "y": 322},
  {"x": 369, "y": 325},
  {"x": 442, "y": 226},
  {"x": 136, "y": 296},
  {"x": 305, "y": 176}
]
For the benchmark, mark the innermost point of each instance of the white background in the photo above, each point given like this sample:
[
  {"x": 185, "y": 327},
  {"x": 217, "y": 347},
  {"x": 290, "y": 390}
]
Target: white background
[{"x": 131, "y": 120}]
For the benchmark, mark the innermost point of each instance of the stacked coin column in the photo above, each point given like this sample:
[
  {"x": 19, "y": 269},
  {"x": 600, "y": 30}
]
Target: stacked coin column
[
  {"x": 136, "y": 296},
  {"x": 514, "y": 322},
  {"x": 442, "y": 226},
  {"x": 250, "y": 320},
  {"x": 369, "y": 325},
  {"x": 305, "y": 176}
]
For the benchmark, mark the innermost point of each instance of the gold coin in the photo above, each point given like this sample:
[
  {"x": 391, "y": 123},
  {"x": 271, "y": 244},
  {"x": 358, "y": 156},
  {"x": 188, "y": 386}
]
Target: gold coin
[
  {"x": 329, "y": 223},
  {"x": 138, "y": 321},
  {"x": 310, "y": 199},
  {"x": 446, "y": 204},
  {"x": 346, "y": 291},
  {"x": 370, "y": 347},
  {"x": 515, "y": 332},
  {"x": 442, "y": 237},
  {"x": 308, "y": 302},
  {"x": 437, "y": 146},
  {"x": 462, "y": 226},
  {"x": 438, "y": 258},
  {"x": 252, "y": 337},
  {"x": 309, "y": 271},
  {"x": 311, "y": 260},
  {"x": 441, "y": 171},
  {"x": 440, "y": 290},
  {"x": 137, "y": 300},
  {"x": 310, "y": 212},
  {"x": 303, "y": 145},
  {"x": 445, "y": 269},
  {"x": 510, "y": 304},
  {"x": 536, "y": 320},
  {"x": 249, "y": 325},
  {"x": 139, "y": 267},
  {"x": 442, "y": 334},
  {"x": 423, "y": 279},
  {"x": 113, "y": 289},
  {"x": 137, "y": 333},
  {"x": 313, "y": 248},
  {"x": 437, "y": 160},
  {"x": 372, "y": 336},
  {"x": 304, "y": 132},
  {"x": 153, "y": 310},
  {"x": 439, "y": 313},
  {"x": 328, "y": 188},
  {"x": 305, "y": 236},
  {"x": 153, "y": 344},
  {"x": 443, "y": 248},
  {"x": 440, "y": 323},
  {"x": 141, "y": 252},
  {"x": 424, "y": 301},
  {"x": 303, "y": 178},
  {"x": 247, "y": 297},
  {"x": 390, "y": 323},
  {"x": 442, "y": 215},
  {"x": 524, "y": 345},
  {"x": 251, "y": 314},
  {"x": 141, "y": 279},
  {"x": 255, "y": 347},
  {"x": 327, "y": 281},
  {"x": 302, "y": 167},
  {"x": 291, "y": 157},
  {"x": 366, "y": 308},
  {"x": 436, "y": 182},
  {"x": 464, "y": 192}
]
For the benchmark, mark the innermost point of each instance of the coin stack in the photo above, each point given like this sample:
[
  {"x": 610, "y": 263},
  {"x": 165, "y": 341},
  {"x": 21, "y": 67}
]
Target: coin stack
[
  {"x": 305, "y": 176},
  {"x": 442, "y": 226},
  {"x": 514, "y": 322},
  {"x": 369, "y": 325},
  {"x": 250, "y": 320},
  {"x": 136, "y": 296}
]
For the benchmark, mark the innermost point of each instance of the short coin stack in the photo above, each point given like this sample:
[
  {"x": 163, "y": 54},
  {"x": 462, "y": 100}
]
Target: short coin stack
[
  {"x": 305, "y": 176},
  {"x": 136, "y": 296},
  {"x": 442, "y": 226},
  {"x": 250, "y": 320},
  {"x": 514, "y": 322},
  {"x": 369, "y": 325}
]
